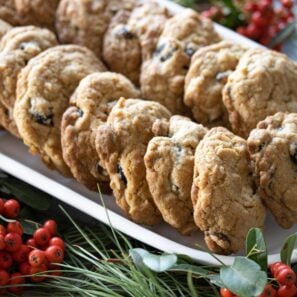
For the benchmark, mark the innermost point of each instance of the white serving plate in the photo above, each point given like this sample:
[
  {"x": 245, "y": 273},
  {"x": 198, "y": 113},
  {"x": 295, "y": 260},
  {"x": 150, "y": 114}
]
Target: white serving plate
[{"x": 15, "y": 159}]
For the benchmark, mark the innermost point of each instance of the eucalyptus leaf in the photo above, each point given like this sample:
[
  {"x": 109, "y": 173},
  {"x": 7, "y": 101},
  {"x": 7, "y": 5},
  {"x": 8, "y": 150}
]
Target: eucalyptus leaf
[
  {"x": 188, "y": 267},
  {"x": 216, "y": 280},
  {"x": 27, "y": 194},
  {"x": 157, "y": 263},
  {"x": 288, "y": 248},
  {"x": 256, "y": 249},
  {"x": 244, "y": 277},
  {"x": 28, "y": 227}
]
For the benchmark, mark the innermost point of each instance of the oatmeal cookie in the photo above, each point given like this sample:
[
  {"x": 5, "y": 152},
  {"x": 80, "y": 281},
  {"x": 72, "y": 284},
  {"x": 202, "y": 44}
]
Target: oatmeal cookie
[
  {"x": 44, "y": 88},
  {"x": 262, "y": 84},
  {"x": 163, "y": 76},
  {"x": 132, "y": 36},
  {"x": 273, "y": 149},
  {"x": 169, "y": 163},
  {"x": 121, "y": 144},
  {"x": 226, "y": 204},
  {"x": 8, "y": 12},
  {"x": 91, "y": 104},
  {"x": 17, "y": 47},
  {"x": 36, "y": 12},
  {"x": 84, "y": 22},
  {"x": 121, "y": 48},
  {"x": 208, "y": 74},
  {"x": 4, "y": 28}
]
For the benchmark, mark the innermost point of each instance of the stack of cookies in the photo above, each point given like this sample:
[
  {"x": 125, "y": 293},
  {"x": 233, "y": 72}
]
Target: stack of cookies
[{"x": 182, "y": 126}]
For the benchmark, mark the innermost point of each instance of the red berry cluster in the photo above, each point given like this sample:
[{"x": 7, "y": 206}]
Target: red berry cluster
[
  {"x": 20, "y": 257},
  {"x": 285, "y": 277},
  {"x": 265, "y": 21}
]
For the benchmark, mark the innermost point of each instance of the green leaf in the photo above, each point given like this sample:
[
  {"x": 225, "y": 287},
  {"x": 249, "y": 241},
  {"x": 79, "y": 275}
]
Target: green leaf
[
  {"x": 27, "y": 194},
  {"x": 188, "y": 267},
  {"x": 157, "y": 263},
  {"x": 256, "y": 249},
  {"x": 28, "y": 227},
  {"x": 244, "y": 277},
  {"x": 283, "y": 35},
  {"x": 287, "y": 249}
]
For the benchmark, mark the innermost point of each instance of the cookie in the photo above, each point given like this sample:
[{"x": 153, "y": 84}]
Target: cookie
[
  {"x": 206, "y": 78},
  {"x": 131, "y": 37},
  {"x": 169, "y": 163},
  {"x": 90, "y": 106},
  {"x": 4, "y": 28},
  {"x": 163, "y": 76},
  {"x": 273, "y": 149},
  {"x": 44, "y": 88},
  {"x": 262, "y": 84},
  {"x": 84, "y": 22},
  {"x": 121, "y": 48},
  {"x": 121, "y": 144},
  {"x": 36, "y": 12},
  {"x": 226, "y": 203},
  {"x": 17, "y": 47},
  {"x": 8, "y": 12}
]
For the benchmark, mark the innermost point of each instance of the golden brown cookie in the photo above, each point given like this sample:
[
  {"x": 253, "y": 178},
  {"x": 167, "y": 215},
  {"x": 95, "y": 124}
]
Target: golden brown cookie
[
  {"x": 226, "y": 204},
  {"x": 163, "y": 76},
  {"x": 262, "y": 84},
  {"x": 4, "y": 28},
  {"x": 273, "y": 149},
  {"x": 169, "y": 162},
  {"x": 8, "y": 12},
  {"x": 17, "y": 47},
  {"x": 84, "y": 22},
  {"x": 132, "y": 36},
  {"x": 44, "y": 88},
  {"x": 36, "y": 12},
  {"x": 91, "y": 104},
  {"x": 208, "y": 74},
  {"x": 121, "y": 144}
]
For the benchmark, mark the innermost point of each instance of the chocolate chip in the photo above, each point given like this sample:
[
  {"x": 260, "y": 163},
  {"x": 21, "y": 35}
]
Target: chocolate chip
[
  {"x": 190, "y": 51},
  {"x": 122, "y": 175},
  {"x": 159, "y": 49},
  {"x": 80, "y": 112},
  {"x": 46, "y": 120},
  {"x": 126, "y": 33},
  {"x": 293, "y": 152}
]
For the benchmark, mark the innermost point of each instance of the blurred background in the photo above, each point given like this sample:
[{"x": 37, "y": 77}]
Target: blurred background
[{"x": 271, "y": 23}]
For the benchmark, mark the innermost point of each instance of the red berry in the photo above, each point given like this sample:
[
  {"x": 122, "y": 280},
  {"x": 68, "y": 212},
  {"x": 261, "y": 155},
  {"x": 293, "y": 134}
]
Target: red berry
[
  {"x": 31, "y": 243},
  {"x": 1, "y": 206},
  {"x": 5, "y": 260},
  {"x": 2, "y": 230},
  {"x": 286, "y": 277},
  {"x": 42, "y": 236},
  {"x": 259, "y": 20},
  {"x": 269, "y": 291},
  {"x": 54, "y": 254},
  {"x": 57, "y": 241},
  {"x": 51, "y": 226},
  {"x": 2, "y": 242},
  {"x": 274, "y": 266},
  {"x": 22, "y": 254},
  {"x": 11, "y": 208},
  {"x": 36, "y": 258},
  {"x": 4, "y": 277},
  {"x": 251, "y": 6},
  {"x": 286, "y": 291},
  {"x": 16, "y": 280},
  {"x": 264, "y": 5},
  {"x": 25, "y": 268},
  {"x": 15, "y": 227},
  {"x": 37, "y": 270},
  {"x": 241, "y": 30},
  {"x": 226, "y": 293},
  {"x": 287, "y": 3},
  {"x": 252, "y": 31},
  {"x": 13, "y": 242}
]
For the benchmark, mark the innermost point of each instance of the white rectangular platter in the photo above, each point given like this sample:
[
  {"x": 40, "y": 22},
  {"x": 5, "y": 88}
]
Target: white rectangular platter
[{"x": 15, "y": 159}]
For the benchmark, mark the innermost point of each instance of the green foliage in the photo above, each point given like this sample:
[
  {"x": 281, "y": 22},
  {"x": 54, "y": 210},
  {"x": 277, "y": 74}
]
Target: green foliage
[
  {"x": 244, "y": 277},
  {"x": 287, "y": 249},
  {"x": 256, "y": 249}
]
